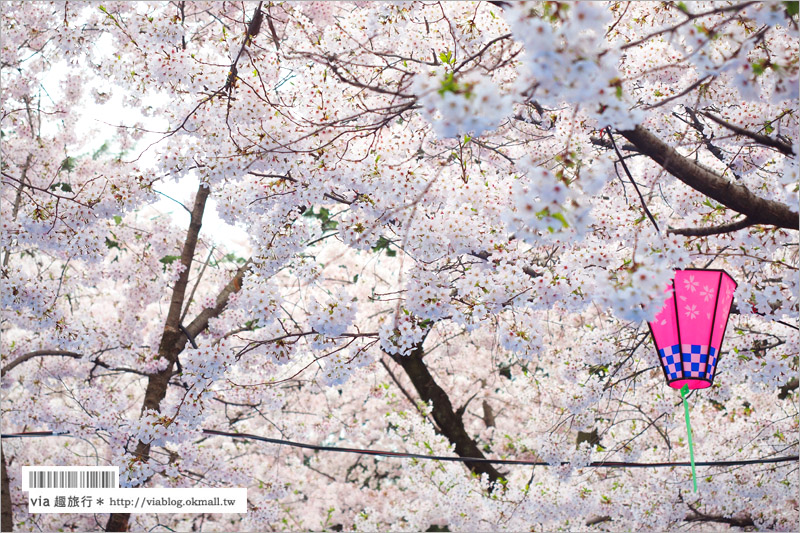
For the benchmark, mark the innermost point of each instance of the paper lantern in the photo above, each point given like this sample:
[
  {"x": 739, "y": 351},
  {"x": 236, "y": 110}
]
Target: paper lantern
[{"x": 689, "y": 329}]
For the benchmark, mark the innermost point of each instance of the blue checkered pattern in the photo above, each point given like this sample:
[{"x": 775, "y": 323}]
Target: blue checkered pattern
[
  {"x": 671, "y": 360},
  {"x": 695, "y": 358},
  {"x": 696, "y": 361},
  {"x": 712, "y": 366}
]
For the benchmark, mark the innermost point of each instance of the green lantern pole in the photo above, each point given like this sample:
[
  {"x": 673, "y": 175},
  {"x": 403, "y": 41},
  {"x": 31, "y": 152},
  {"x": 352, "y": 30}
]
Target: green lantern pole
[{"x": 684, "y": 392}]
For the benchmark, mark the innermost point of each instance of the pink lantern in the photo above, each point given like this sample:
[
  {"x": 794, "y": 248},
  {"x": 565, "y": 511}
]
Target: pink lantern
[{"x": 688, "y": 330}]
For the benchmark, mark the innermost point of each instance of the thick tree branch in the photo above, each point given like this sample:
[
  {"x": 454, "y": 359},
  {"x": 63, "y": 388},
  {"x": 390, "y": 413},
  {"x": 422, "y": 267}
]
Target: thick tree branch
[
  {"x": 731, "y": 195},
  {"x": 171, "y": 329},
  {"x": 715, "y": 230},
  {"x": 597, "y": 520},
  {"x": 450, "y": 423},
  {"x": 38, "y": 353},
  {"x": 605, "y": 143},
  {"x": 200, "y": 323},
  {"x": 736, "y": 522},
  {"x": 405, "y": 393},
  {"x": 158, "y": 383}
]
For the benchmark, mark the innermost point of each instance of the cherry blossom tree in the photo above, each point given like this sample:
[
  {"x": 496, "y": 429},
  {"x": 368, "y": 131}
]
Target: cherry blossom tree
[{"x": 460, "y": 217}]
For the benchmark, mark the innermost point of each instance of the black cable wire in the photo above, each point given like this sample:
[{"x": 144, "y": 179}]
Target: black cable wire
[{"x": 384, "y": 453}]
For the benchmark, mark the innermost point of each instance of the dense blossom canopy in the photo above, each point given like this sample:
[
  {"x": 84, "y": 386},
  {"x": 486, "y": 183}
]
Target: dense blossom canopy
[{"x": 459, "y": 217}]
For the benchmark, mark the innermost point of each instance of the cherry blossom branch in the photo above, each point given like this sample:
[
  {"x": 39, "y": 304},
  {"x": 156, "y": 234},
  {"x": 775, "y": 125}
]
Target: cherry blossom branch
[
  {"x": 197, "y": 282},
  {"x": 729, "y": 194},
  {"x": 699, "y": 516},
  {"x": 700, "y": 128},
  {"x": 38, "y": 353},
  {"x": 480, "y": 52},
  {"x": 22, "y": 184},
  {"x": 200, "y": 323},
  {"x": 483, "y": 254},
  {"x": 782, "y": 147},
  {"x": 736, "y": 522},
  {"x": 600, "y": 141},
  {"x": 171, "y": 328},
  {"x": 63, "y": 353},
  {"x": 689, "y": 17},
  {"x": 684, "y": 92},
  {"x": 272, "y": 29}
]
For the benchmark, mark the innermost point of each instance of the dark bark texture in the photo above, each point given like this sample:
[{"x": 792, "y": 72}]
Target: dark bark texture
[
  {"x": 449, "y": 421},
  {"x": 727, "y": 193}
]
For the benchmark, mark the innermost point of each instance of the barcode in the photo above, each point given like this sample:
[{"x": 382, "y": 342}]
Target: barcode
[
  {"x": 70, "y": 477},
  {"x": 70, "y": 480}
]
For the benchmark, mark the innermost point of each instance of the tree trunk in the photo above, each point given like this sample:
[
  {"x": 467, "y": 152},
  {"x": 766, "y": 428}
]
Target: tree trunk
[
  {"x": 7, "y": 515},
  {"x": 170, "y": 345},
  {"x": 450, "y": 423}
]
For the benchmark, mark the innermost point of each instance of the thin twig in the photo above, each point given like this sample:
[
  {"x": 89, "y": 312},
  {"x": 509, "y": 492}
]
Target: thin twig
[{"x": 630, "y": 177}]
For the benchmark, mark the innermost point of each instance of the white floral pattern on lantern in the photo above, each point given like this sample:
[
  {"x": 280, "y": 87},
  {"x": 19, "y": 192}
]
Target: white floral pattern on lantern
[
  {"x": 707, "y": 293},
  {"x": 691, "y": 284}
]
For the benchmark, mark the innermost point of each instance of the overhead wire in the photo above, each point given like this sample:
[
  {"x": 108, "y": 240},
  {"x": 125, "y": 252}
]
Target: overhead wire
[{"x": 386, "y": 453}]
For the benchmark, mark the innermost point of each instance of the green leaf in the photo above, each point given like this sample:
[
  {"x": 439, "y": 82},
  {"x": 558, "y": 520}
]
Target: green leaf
[
  {"x": 61, "y": 185},
  {"x": 792, "y": 8},
  {"x": 759, "y": 66},
  {"x": 447, "y": 57},
  {"x": 324, "y": 216},
  {"x": 168, "y": 259},
  {"x": 100, "y": 151},
  {"x": 233, "y": 258},
  {"x": 68, "y": 164},
  {"x": 251, "y": 324},
  {"x": 448, "y": 84},
  {"x": 768, "y": 127},
  {"x": 560, "y": 218},
  {"x": 384, "y": 244},
  {"x": 117, "y": 220},
  {"x": 112, "y": 244}
]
